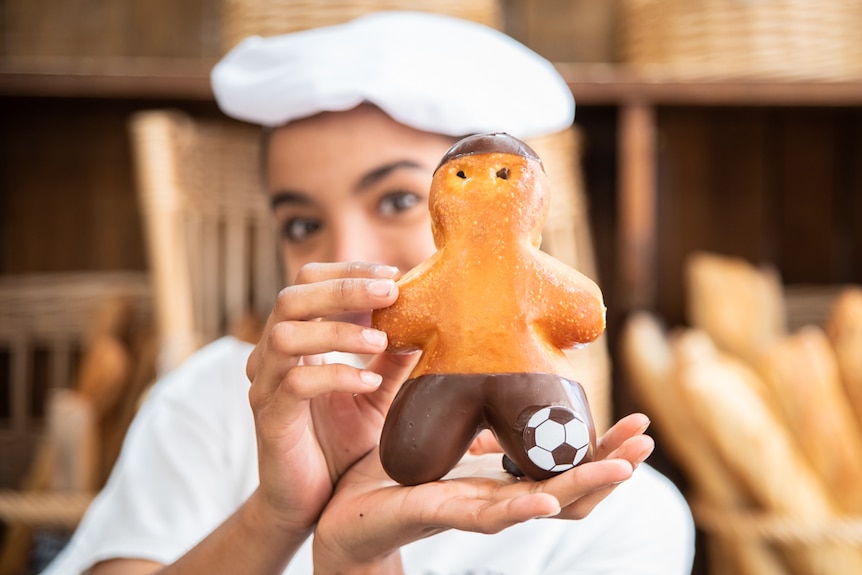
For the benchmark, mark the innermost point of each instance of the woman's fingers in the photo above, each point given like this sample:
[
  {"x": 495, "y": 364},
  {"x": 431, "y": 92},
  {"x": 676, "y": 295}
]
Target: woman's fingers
[
  {"x": 395, "y": 515},
  {"x": 333, "y": 296},
  {"x": 620, "y": 451},
  {"x": 323, "y": 290},
  {"x": 308, "y": 382},
  {"x": 393, "y": 369},
  {"x": 629, "y": 426},
  {"x": 574, "y": 484},
  {"x": 492, "y": 515},
  {"x": 635, "y": 450},
  {"x": 482, "y": 501},
  {"x": 301, "y": 338},
  {"x": 487, "y": 506},
  {"x": 596, "y": 481},
  {"x": 287, "y": 342},
  {"x": 317, "y": 272}
]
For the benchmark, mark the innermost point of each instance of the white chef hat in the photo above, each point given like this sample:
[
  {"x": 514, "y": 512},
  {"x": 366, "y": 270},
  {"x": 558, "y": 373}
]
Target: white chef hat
[{"x": 431, "y": 72}]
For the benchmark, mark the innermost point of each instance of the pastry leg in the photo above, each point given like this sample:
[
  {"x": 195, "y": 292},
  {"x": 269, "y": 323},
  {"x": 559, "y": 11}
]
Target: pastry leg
[
  {"x": 542, "y": 422},
  {"x": 430, "y": 425}
]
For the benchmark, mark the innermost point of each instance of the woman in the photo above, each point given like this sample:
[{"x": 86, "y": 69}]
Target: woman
[{"x": 207, "y": 485}]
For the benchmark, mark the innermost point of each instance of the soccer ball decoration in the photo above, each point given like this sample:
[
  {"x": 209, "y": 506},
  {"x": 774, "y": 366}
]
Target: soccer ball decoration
[{"x": 556, "y": 439}]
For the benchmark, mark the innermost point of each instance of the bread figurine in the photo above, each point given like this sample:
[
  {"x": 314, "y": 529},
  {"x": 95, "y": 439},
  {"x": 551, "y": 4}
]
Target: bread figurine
[{"x": 492, "y": 315}]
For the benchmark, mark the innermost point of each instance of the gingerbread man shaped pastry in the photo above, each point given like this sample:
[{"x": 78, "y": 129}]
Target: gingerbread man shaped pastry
[{"x": 492, "y": 314}]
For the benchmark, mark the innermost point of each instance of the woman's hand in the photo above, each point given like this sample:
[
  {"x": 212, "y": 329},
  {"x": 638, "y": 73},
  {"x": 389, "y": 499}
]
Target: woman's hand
[
  {"x": 314, "y": 420},
  {"x": 370, "y": 517}
]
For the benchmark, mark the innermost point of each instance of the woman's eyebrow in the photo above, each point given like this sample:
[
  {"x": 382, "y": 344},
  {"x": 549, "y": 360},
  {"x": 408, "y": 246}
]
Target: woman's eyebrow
[
  {"x": 290, "y": 198},
  {"x": 378, "y": 174}
]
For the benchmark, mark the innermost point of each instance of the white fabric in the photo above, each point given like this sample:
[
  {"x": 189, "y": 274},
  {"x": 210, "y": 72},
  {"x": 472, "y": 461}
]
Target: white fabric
[
  {"x": 431, "y": 72},
  {"x": 189, "y": 461}
]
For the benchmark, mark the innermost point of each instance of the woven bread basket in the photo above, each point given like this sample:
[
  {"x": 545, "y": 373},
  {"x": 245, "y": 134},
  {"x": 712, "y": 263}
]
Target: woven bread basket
[
  {"x": 243, "y": 18},
  {"x": 208, "y": 227},
  {"x": 835, "y": 544},
  {"x": 703, "y": 38},
  {"x": 45, "y": 323}
]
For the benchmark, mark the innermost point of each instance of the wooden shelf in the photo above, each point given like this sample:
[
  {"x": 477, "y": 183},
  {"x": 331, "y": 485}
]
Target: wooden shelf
[
  {"x": 592, "y": 84},
  {"x": 603, "y": 84},
  {"x": 179, "y": 79}
]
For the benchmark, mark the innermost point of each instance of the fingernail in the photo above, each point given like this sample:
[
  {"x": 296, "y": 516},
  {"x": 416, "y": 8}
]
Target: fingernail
[
  {"x": 385, "y": 271},
  {"x": 549, "y": 514},
  {"x": 642, "y": 457},
  {"x": 370, "y": 378},
  {"x": 644, "y": 427},
  {"x": 381, "y": 288},
  {"x": 374, "y": 336}
]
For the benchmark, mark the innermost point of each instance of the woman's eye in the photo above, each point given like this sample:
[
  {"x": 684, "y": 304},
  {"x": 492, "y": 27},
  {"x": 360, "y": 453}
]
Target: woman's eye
[
  {"x": 299, "y": 229},
  {"x": 397, "y": 202}
]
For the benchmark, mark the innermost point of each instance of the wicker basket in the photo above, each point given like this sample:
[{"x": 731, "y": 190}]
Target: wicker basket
[
  {"x": 243, "y": 18},
  {"x": 44, "y": 324},
  {"x": 801, "y": 546},
  {"x": 786, "y": 38},
  {"x": 209, "y": 229}
]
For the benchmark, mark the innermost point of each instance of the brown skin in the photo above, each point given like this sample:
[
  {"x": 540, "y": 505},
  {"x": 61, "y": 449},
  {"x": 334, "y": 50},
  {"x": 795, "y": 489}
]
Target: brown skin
[{"x": 325, "y": 419}]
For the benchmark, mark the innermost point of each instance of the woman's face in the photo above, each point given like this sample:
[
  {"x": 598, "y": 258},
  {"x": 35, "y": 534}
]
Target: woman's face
[{"x": 352, "y": 186}]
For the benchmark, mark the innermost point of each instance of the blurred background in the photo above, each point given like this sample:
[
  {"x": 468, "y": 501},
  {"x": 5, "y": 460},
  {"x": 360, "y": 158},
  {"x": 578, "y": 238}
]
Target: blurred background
[{"x": 716, "y": 179}]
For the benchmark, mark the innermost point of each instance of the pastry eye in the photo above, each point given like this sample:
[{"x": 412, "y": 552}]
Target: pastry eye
[
  {"x": 503, "y": 173},
  {"x": 461, "y": 175}
]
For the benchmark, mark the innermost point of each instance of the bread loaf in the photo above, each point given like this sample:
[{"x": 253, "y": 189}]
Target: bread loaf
[
  {"x": 844, "y": 330},
  {"x": 650, "y": 362},
  {"x": 803, "y": 375},
  {"x": 739, "y": 305},
  {"x": 757, "y": 447}
]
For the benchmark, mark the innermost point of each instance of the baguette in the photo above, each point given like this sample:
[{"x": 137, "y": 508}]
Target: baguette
[
  {"x": 739, "y": 305},
  {"x": 756, "y": 446},
  {"x": 751, "y": 438},
  {"x": 648, "y": 361},
  {"x": 801, "y": 371},
  {"x": 844, "y": 330}
]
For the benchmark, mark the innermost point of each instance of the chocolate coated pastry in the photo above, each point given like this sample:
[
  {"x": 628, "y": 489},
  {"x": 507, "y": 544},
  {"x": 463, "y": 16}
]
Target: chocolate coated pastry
[{"x": 492, "y": 314}]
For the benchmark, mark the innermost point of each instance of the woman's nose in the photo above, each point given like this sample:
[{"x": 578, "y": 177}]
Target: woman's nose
[{"x": 357, "y": 241}]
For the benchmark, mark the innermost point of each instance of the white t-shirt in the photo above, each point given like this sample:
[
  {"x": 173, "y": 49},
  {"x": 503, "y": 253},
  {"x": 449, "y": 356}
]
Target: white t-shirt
[{"x": 190, "y": 460}]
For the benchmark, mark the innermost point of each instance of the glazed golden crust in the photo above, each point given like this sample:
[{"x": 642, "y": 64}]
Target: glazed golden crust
[{"x": 489, "y": 301}]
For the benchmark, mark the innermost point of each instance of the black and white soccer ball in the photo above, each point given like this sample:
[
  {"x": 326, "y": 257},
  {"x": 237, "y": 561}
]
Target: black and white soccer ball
[{"x": 556, "y": 438}]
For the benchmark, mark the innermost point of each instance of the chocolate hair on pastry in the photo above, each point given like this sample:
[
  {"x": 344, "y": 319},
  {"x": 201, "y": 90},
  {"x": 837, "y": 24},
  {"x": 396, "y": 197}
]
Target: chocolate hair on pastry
[{"x": 492, "y": 314}]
